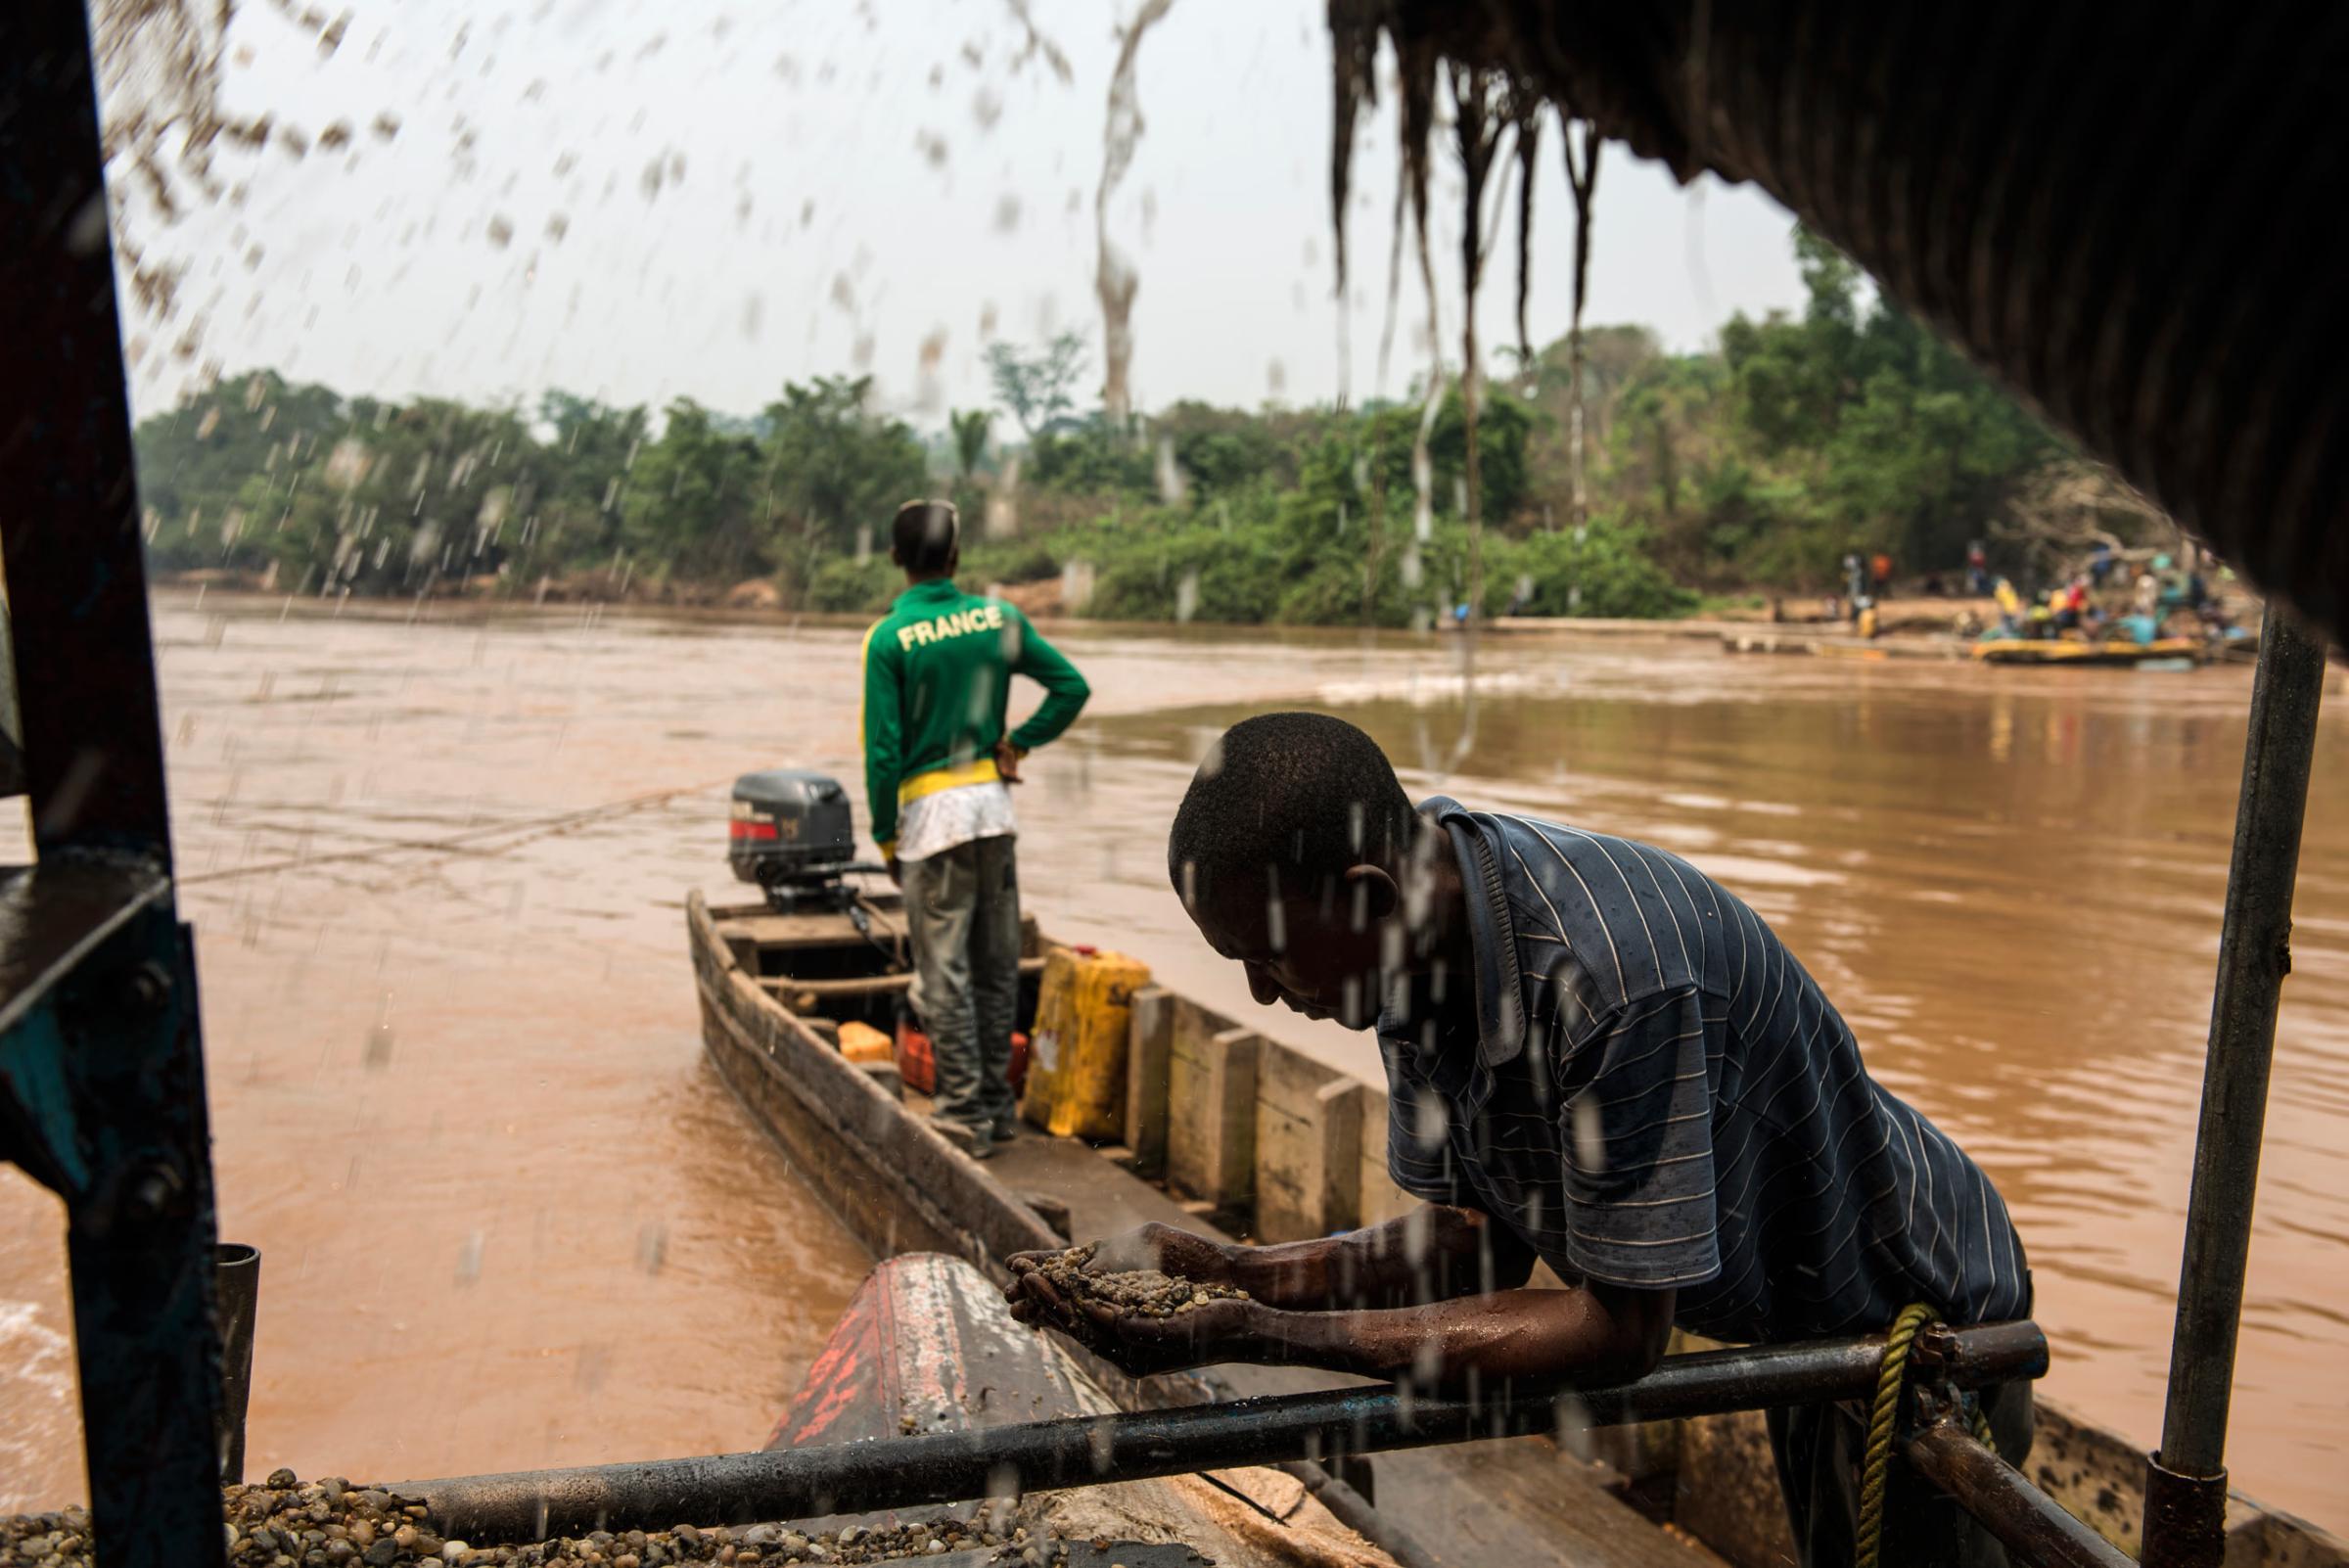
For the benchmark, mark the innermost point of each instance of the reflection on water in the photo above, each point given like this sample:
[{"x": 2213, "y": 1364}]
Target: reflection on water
[{"x": 437, "y": 871}]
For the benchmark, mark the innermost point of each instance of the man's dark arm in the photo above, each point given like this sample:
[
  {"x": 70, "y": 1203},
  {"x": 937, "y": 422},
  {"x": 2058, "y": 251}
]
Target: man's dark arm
[
  {"x": 1594, "y": 1334},
  {"x": 1433, "y": 1253},
  {"x": 1588, "y": 1335}
]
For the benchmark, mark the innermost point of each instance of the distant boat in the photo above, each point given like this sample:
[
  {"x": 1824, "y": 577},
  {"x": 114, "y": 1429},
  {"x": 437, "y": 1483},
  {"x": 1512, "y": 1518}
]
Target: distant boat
[{"x": 2166, "y": 653}]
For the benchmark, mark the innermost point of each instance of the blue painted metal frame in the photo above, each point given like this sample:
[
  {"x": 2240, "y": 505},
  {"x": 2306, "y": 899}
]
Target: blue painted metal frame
[{"x": 101, "y": 1062}]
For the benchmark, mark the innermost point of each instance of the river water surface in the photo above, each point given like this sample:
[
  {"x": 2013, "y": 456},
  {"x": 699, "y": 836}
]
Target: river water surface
[{"x": 437, "y": 870}]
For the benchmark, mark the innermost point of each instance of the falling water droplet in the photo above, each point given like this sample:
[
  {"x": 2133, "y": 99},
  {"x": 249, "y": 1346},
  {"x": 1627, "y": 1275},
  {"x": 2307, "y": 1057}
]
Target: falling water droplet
[
  {"x": 1431, "y": 1121},
  {"x": 1589, "y": 1141}
]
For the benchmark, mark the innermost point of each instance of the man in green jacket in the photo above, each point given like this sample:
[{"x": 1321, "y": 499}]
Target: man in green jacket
[{"x": 938, "y": 767}]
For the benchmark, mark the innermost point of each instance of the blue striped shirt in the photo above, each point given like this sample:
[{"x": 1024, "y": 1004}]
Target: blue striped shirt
[{"x": 1655, "y": 1095}]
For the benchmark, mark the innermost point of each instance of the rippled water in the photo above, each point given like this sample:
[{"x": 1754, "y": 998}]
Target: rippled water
[{"x": 437, "y": 871}]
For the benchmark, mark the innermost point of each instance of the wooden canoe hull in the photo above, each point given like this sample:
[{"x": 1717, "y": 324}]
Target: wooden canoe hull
[{"x": 895, "y": 1184}]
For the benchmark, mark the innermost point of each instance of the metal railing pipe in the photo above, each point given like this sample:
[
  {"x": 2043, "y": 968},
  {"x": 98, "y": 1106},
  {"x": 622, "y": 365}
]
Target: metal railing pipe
[
  {"x": 237, "y": 1273},
  {"x": 1085, "y": 1451},
  {"x": 2032, "y": 1524},
  {"x": 2190, "y": 1471}
]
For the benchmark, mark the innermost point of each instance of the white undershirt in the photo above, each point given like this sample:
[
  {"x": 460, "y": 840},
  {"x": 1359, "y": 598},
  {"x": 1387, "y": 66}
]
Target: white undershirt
[{"x": 930, "y": 824}]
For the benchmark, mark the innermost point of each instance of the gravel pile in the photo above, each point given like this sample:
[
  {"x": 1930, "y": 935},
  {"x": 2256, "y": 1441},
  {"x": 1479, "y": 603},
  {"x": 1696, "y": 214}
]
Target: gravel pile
[
  {"x": 285, "y": 1523},
  {"x": 1146, "y": 1291}
]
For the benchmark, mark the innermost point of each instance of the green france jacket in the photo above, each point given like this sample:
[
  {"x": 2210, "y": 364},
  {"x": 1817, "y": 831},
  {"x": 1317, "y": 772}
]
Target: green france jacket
[{"x": 938, "y": 672}]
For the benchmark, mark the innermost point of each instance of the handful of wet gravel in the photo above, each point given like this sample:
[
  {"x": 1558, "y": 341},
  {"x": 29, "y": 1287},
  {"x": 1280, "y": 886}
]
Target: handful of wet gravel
[
  {"x": 1146, "y": 1291},
  {"x": 284, "y": 1523}
]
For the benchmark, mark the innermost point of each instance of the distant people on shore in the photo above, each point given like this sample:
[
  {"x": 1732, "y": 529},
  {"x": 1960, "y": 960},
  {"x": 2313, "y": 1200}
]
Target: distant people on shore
[
  {"x": 2138, "y": 597},
  {"x": 2067, "y": 605},
  {"x": 2011, "y": 608}
]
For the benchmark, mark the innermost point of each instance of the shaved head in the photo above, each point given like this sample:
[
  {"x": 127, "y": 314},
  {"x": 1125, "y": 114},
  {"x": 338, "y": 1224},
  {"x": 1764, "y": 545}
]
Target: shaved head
[{"x": 1282, "y": 805}]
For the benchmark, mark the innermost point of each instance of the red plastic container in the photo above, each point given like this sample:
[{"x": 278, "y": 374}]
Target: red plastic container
[{"x": 917, "y": 1068}]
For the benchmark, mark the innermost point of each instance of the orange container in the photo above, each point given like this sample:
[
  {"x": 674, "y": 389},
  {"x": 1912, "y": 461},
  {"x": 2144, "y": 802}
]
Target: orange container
[
  {"x": 861, "y": 1042},
  {"x": 917, "y": 1067}
]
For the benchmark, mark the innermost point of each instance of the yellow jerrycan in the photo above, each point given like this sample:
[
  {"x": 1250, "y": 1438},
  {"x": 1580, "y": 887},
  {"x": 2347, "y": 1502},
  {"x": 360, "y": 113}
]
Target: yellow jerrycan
[{"x": 1077, "y": 1059}]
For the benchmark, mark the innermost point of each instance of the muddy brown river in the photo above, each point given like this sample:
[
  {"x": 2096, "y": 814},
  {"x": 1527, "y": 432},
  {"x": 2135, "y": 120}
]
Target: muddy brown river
[{"x": 437, "y": 870}]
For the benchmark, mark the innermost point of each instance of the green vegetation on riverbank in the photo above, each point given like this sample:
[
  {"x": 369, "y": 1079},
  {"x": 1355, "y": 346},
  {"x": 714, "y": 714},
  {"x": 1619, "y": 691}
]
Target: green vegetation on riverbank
[{"x": 1759, "y": 465}]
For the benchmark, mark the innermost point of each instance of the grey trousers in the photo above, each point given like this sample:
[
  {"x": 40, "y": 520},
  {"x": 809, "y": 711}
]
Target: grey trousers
[
  {"x": 1820, "y": 1449},
  {"x": 962, "y": 910}
]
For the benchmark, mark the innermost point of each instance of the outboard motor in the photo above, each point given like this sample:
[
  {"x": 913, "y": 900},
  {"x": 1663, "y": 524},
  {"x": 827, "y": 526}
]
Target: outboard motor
[{"x": 791, "y": 834}]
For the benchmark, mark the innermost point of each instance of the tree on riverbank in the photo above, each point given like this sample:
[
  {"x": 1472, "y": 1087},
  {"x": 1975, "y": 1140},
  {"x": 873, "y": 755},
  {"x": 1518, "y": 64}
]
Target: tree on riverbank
[
  {"x": 322, "y": 493},
  {"x": 1038, "y": 388},
  {"x": 1758, "y": 465}
]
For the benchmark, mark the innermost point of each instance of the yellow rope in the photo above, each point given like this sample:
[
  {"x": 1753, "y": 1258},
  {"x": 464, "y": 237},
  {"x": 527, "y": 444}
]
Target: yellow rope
[{"x": 1876, "y": 1470}]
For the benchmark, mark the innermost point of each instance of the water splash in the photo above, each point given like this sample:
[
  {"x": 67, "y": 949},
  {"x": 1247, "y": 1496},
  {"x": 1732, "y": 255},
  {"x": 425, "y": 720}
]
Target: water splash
[
  {"x": 1115, "y": 279},
  {"x": 1034, "y": 43},
  {"x": 159, "y": 78},
  {"x": 36, "y": 1370},
  {"x": 1186, "y": 596}
]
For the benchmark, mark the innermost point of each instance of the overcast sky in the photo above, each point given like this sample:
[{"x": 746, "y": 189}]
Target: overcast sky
[{"x": 641, "y": 200}]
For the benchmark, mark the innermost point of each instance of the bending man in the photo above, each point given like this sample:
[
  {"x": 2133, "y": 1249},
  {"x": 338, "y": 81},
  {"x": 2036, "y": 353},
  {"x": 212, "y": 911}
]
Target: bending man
[{"x": 1596, "y": 1056}]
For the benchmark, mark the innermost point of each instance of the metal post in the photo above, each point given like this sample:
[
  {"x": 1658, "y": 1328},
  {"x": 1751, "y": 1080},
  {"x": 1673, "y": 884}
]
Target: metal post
[
  {"x": 101, "y": 1059},
  {"x": 2186, "y": 1493},
  {"x": 1087, "y": 1451},
  {"x": 92, "y": 728},
  {"x": 239, "y": 1271}
]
